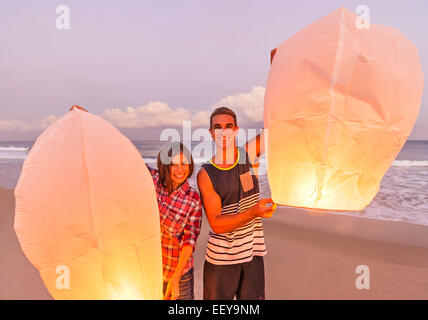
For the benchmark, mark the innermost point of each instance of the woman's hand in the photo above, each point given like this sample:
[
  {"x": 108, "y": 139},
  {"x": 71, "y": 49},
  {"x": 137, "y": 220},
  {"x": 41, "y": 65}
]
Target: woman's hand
[{"x": 172, "y": 289}]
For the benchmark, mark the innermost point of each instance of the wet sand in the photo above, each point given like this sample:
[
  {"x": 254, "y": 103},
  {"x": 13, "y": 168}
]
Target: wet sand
[
  {"x": 18, "y": 278},
  {"x": 315, "y": 256},
  {"x": 310, "y": 256}
]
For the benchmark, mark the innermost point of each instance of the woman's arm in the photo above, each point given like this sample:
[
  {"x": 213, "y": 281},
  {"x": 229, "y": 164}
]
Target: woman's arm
[
  {"x": 173, "y": 288},
  {"x": 188, "y": 241}
]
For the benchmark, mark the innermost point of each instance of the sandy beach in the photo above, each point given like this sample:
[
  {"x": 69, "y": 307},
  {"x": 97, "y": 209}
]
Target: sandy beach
[
  {"x": 18, "y": 278},
  {"x": 310, "y": 256}
]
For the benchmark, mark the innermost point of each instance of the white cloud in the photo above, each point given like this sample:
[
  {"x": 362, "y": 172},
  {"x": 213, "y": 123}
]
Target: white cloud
[
  {"x": 201, "y": 118},
  {"x": 19, "y": 125},
  {"x": 247, "y": 106},
  {"x": 151, "y": 115},
  {"x": 46, "y": 122},
  {"x": 14, "y": 125}
]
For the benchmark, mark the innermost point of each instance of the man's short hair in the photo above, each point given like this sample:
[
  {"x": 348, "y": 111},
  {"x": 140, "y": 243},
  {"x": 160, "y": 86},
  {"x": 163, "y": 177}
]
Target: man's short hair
[{"x": 222, "y": 110}]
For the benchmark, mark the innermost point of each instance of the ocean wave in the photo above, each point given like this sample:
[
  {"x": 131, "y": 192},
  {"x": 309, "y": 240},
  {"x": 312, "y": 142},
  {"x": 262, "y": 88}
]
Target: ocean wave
[
  {"x": 12, "y": 148},
  {"x": 195, "y": 160},
  {"x": 11, "y": 157},
  {"x": 410, "y": 163},
  {"x": 263, "y": 162},
  {"x": 17, "y": 153}
]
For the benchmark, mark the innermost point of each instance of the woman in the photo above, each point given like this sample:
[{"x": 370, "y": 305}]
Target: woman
[{"x": 180, "y": 216}]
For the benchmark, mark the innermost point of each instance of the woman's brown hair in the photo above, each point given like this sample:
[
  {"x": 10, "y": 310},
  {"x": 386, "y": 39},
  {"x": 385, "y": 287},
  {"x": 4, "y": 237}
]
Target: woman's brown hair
[{"x": 165, "y": 156}]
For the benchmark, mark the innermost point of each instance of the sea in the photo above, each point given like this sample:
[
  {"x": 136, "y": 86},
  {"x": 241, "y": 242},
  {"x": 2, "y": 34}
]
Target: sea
[{"x": 403, "y": 194}]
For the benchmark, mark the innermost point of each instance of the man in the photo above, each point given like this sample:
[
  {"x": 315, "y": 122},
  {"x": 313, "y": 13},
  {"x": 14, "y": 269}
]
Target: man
[{"x": 230, "y": 196}]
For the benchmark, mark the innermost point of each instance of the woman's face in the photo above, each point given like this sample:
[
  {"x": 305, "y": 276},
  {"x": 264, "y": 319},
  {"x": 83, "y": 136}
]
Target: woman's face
[{"x": 179, "y": 169}]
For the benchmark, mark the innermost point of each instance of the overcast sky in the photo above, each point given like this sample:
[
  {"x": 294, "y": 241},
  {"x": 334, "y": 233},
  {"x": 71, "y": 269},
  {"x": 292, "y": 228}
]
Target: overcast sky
[{"x": 136, "y": 61}]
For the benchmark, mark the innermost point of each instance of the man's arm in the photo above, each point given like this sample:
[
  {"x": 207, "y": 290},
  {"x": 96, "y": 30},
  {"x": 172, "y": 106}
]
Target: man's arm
[
  {"x": 228, "y": 222},
  {"x": 255, "y": 147}
]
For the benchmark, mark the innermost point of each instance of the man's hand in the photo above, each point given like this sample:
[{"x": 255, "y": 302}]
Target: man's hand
[
  {"x": 260, "y": 209},
  {"x": 172, "y": 289}
]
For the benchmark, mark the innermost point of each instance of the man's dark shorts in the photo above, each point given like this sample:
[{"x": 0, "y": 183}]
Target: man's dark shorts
[{"x": 245, "y": 280}]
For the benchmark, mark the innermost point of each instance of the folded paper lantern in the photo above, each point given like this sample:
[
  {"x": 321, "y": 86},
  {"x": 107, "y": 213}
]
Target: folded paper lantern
[
  {"x": 339, "y": 105},
  {"x": 86, "y": 213}
]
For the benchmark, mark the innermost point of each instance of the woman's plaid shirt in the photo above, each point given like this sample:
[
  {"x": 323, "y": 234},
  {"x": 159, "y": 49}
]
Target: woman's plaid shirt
[{"x": 180, "y": 217}]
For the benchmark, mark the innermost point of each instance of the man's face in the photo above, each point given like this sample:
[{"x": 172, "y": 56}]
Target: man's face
[{"x": 223, "y": 130}]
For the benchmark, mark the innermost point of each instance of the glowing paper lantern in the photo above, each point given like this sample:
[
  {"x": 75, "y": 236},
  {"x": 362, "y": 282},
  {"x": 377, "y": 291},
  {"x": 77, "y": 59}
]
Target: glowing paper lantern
[
  {"x": 86, "y": 213},
  {"x": 340, "y": 103}
]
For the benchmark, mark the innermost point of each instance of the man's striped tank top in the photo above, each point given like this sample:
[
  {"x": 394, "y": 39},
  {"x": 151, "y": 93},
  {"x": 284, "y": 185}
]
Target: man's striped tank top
[{"x": 238, "y": 190}]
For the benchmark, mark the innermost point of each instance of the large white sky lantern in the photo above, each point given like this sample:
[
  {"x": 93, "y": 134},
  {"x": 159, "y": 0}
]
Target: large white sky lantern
[
  {"x": 86, "y": 212},
  {"x": 340, "y": 103}
]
